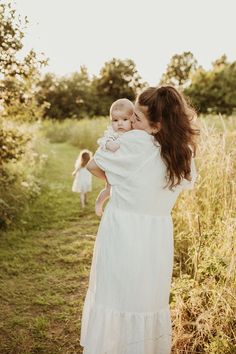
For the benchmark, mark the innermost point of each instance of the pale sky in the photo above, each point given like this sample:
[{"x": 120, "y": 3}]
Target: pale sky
[{"x": 89, "y": 32}]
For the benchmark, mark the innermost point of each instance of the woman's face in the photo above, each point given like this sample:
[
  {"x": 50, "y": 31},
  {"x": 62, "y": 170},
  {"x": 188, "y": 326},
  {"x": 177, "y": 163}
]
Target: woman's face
[{"x": 140, "y": 121}]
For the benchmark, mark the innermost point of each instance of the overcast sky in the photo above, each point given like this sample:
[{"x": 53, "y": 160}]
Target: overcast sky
[{"x": 75, "y": 32}]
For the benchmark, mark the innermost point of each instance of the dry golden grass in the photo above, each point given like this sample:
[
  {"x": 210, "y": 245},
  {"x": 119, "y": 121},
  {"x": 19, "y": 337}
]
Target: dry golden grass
[{"x": 204, "y": 284}]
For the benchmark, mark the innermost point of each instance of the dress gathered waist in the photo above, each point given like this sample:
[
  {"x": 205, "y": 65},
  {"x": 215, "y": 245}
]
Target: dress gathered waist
[{"x": 113, "y": 207}]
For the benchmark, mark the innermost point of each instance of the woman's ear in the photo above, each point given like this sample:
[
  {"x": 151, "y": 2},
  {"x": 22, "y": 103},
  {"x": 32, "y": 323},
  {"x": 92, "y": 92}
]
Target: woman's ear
[{"x": 156, "y": 128}]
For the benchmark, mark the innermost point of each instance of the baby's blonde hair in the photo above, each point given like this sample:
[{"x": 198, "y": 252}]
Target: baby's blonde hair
[
  {"x": 83, "y": 158},
  {"x": 121, "y": 104}
]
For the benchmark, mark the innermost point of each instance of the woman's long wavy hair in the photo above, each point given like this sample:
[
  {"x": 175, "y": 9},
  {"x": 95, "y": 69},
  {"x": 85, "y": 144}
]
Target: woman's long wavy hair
[{"x": 177, "y": 135}]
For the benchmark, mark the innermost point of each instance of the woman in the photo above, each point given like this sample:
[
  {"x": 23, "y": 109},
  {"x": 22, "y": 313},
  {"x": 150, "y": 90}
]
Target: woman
[{"x": 126, "y": 308}]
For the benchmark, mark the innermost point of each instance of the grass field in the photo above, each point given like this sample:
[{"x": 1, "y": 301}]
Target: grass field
[
  {"x": 45, "y": 258},
  {"x": 45, "y": 265}
]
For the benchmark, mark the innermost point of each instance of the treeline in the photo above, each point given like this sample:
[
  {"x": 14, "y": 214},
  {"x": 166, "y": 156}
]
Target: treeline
[
  {"x": 28, "y": 95},
  {"x": 78, "y": 95}
]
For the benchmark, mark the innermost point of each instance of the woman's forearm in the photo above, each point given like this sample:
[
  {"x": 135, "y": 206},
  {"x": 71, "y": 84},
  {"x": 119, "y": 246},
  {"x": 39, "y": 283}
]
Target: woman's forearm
[{"x": 93, "y": 168}]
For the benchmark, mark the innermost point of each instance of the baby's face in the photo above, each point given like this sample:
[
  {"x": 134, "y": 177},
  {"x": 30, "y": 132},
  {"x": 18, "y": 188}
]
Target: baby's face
[{"x": 120, "y": 121}]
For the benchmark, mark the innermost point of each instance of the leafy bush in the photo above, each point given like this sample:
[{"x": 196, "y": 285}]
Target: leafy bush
[
  {"x": 12, "y": 141},
  {"x": 19, "y": 168}
]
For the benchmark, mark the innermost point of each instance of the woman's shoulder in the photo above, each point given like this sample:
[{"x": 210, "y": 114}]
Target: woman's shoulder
[
  {"x": 136, "y": 135},
  {"x": 135, "y": 132},
  {"x": 139, "y": 139}
]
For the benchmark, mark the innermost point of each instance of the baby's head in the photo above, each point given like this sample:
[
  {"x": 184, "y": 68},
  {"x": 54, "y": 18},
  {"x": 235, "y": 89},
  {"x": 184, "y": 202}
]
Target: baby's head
[{"x": 120, "y": 113}]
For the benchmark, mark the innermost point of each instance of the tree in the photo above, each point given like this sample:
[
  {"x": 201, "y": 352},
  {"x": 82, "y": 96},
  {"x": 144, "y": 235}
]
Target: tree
[
  {"x": 18, "y": 77},
  {"x": 214, "y": 90},
  {"x": 117, "y": 78},
  {"x": 18, "y": 80},
  {"x": 220, "y": 63},
  {"x": 11, "y": 36},
  {"x": 180, "y": 70},
  {"x": 68, "y": 96}
]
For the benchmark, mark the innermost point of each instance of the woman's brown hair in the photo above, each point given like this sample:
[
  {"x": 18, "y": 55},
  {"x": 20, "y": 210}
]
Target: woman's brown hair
[{"x": 177, "y": 135}]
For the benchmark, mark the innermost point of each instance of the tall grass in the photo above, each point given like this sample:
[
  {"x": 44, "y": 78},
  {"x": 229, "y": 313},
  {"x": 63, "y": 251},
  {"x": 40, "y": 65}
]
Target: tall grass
[
  {"x": 80, "y": 133},
  {"x": 203, "y": 296},
  {"x": 204, "y": 283}
]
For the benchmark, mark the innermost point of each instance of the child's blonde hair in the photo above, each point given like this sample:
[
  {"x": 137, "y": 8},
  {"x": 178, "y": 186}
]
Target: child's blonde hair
[
  {"x": 121, "y": 104},
  {"x": 83, "y": 158}
]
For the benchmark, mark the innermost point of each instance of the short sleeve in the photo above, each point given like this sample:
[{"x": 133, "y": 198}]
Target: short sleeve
[
  {"x": 125, "y": 161},
  {"x": 185, "y": 184}
]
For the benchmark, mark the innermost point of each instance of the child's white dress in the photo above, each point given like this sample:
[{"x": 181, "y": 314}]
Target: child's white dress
[
  {"x": 126, "y": 309},
  {"x": 82, "y": 181}
]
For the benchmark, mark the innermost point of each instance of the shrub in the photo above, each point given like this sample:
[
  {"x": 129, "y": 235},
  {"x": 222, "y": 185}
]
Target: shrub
[{"x": 19, "y": 168}]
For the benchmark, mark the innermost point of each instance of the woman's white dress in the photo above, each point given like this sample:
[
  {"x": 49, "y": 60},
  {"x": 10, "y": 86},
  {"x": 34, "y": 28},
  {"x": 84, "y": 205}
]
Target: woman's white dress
[
  {"x": 83, "y": 181},
  {"x": 126, "y": 309}
]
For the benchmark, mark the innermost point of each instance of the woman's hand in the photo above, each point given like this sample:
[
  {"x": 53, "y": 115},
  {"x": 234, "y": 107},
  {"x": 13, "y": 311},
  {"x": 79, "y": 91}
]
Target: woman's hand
[{"x": 112, "y": 145}]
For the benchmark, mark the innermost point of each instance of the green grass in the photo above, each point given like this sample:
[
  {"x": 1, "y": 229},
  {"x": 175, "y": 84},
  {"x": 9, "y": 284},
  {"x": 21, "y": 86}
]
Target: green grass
[
  {"x": 45, "y": 261},
  {"x": 45, "y": 264}
]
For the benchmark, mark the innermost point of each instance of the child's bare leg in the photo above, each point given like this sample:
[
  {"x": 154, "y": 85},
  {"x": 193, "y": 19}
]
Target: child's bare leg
[
  {"x": 85, "y": 198},
  {"x": 82, "y": 199},
  {"x": 102, "y": 197}
]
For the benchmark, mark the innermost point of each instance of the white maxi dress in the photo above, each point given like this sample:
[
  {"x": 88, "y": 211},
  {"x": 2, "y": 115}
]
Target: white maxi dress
[{"x": 126, "y": 308}]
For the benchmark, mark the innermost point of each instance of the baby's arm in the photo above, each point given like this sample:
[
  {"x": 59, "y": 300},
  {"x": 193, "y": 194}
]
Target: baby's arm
[{"x": 102, "y": 197}]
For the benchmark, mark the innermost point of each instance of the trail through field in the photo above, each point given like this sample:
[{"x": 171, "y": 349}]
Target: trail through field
[{"x": 45, "y": 264}]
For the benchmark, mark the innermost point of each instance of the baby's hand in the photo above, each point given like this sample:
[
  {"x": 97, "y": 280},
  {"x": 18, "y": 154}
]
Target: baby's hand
[
  {"x": 98, "y": 209},
  {"x": 112, "y": 146},
  {"x": 73, "y": 173}
]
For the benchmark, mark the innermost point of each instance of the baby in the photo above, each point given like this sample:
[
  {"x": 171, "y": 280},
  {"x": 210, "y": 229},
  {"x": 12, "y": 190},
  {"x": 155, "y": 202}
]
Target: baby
[{"x": 120, "y": 114}]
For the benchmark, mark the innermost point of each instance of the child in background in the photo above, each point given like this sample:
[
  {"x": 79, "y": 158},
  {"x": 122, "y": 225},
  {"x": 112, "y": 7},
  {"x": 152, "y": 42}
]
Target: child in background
[
  {"x": 120, "y": 114},
  {"x": 83, "y": 179}
]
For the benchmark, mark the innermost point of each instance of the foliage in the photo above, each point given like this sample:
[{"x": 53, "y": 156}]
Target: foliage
[
  {"x": 67, "y": 97},
  {"x": 214, "y": 90},
  {"x": 118, "y": 78},
  {"x": 180, "y": 70},
  {"x": 78, "y": 96},
  {"x": 11, "y": 35},
  {"x": 12, "y": 141},
  {"x": 18, "y": 77},
  {"x": 17, "y": 105},
  {"x": 20, "y": 164}
]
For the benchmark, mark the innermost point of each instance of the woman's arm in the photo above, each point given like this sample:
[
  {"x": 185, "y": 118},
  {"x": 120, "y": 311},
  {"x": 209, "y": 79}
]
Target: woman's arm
[{"x": 93, "y": 168}]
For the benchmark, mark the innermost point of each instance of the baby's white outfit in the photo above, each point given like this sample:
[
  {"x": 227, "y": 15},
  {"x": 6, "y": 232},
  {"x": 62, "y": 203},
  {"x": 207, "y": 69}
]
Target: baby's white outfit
[
  {"x": 82, "y": 181},
  {"x": 109, "y": 135}
]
